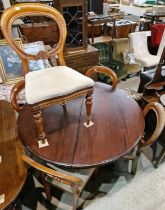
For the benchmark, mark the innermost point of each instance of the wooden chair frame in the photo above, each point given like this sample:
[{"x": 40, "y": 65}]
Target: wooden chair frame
[
  {"x": 90, "y": 72},
  {"x": 160, "y": 116},
  {"x": 74, "y": 182},
  {"x": 35, "y": 9}
]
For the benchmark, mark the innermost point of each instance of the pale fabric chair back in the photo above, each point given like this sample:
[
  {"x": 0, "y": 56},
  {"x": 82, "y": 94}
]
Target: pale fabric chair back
[{"x": 138, "y": 42}]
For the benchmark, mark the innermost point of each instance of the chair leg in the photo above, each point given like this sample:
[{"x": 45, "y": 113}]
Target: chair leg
[
  {"x": 134, "y": 163},
  {"x": 88, "y": 106},
  {"x": 38, "y": 121},
  {"x": 47, "y": 187},
  {"x": 76, "y": 195}
]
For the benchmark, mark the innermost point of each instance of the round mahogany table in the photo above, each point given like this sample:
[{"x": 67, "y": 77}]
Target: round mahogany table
[
  {"x": 12, "y": 168},
  {"x": 118, "y": 126}
]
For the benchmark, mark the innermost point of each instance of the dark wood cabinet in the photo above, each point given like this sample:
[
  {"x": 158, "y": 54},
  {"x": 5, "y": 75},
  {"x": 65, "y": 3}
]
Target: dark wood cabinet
[
  {"x": 82, "y": 60},
  {"x": 75, "y": 14}
]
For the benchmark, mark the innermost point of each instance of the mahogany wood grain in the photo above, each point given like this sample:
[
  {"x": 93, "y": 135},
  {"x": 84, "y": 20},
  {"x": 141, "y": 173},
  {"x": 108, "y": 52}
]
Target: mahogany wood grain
[
  {"x": 118, "y": 126},
  {"x": 12, "y": 169}
]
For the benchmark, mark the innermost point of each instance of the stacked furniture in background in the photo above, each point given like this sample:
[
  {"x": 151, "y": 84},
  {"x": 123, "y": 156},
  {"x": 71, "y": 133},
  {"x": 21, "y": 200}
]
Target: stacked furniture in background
[
  {"x": 111, "y": 55},
  {"x": 138, "y": 42},
  {"x": 106, "y": 59},
  {"x": 153, "y": 87},
  {"x": 119, "y": 47},
  {"x": 156, "y": 35}
]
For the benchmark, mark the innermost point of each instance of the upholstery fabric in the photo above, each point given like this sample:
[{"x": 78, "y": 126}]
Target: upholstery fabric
[
  {"x": 138, "y": 41},
  {"x": 156, "y": 34},
  {"x": 148, "y": 60},
  {"x": 106, "y": 59},
  {"x": 5, "y": 91},
  {"x": 120, "y": 45},
  {"x": 129, "y": 56},
  {"x": 53, "y": 82}
]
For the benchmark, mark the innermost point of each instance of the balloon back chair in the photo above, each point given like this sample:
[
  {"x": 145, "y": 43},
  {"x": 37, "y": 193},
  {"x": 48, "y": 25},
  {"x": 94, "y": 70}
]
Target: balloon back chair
[
  {"x": 53, "y": 85},
  {"x": 151, "y": 133},
  {"x": 64, "y": 180}
]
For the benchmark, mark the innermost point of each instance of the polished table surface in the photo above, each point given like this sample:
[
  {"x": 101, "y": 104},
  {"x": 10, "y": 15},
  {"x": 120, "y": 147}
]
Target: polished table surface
[
  {"x": 12, "y": 168},
  {"x": 118, "y": 126}
]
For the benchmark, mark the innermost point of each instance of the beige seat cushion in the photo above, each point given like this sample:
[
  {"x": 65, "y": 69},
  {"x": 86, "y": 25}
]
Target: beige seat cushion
[
  {"x": 148, "y": 60},
  {"x": 54, "y": 82}
]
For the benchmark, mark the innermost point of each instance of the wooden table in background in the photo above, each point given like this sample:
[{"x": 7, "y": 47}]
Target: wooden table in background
[
  {"x": 118, "y": 126},
  {"x": 153, "y": 17},
  {"x": 104, "y": 21},
  {"x": 12, "y": 168}
]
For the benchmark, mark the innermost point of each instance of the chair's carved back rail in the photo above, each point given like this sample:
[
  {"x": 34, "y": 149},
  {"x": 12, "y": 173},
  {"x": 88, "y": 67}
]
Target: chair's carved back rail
[{"x": 21, "y": 10}]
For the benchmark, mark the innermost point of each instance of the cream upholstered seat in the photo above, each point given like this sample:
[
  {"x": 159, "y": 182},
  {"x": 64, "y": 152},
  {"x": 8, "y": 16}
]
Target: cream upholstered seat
[
  {"x": 138, "y": 42},
  {"x": 61, "y": 80},
  {"x": 54, "y": 85},
  {"x": 148, "y": 60}
]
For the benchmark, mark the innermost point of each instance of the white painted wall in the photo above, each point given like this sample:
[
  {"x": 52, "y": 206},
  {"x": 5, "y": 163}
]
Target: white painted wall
[{"x": 6, "y": 3}]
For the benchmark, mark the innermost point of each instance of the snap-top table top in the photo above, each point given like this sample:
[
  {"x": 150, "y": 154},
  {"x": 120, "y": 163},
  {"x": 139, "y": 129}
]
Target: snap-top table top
[{"x": 118, "y": 126}]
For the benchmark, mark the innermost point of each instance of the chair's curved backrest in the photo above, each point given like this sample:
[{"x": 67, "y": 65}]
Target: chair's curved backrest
[
  {"x": 34, "y": 9},
  {"x": 138, "y": 42},
  {"x": 159, "y": 112}
]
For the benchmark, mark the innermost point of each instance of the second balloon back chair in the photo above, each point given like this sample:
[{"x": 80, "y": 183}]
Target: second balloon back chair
[{"x": 53, "y": 85}]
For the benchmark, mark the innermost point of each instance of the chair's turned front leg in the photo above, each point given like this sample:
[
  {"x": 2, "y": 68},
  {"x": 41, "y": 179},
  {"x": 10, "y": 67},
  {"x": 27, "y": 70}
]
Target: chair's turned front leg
[
  {"x": 38, "y": 122},
  {"x": 88, "y": 107}
]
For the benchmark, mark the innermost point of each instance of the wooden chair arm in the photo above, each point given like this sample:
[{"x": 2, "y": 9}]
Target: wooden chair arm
[
  {"x": 14, "y": 92},
  {"x": 104, "y": 70},
  {"x": 160, "y": 118},
  {"x": 63, "y": 178}
]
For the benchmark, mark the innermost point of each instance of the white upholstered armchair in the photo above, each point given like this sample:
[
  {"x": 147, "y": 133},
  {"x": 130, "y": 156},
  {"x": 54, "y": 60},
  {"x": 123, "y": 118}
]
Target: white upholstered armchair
[{"x": 138, "y": 42}]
